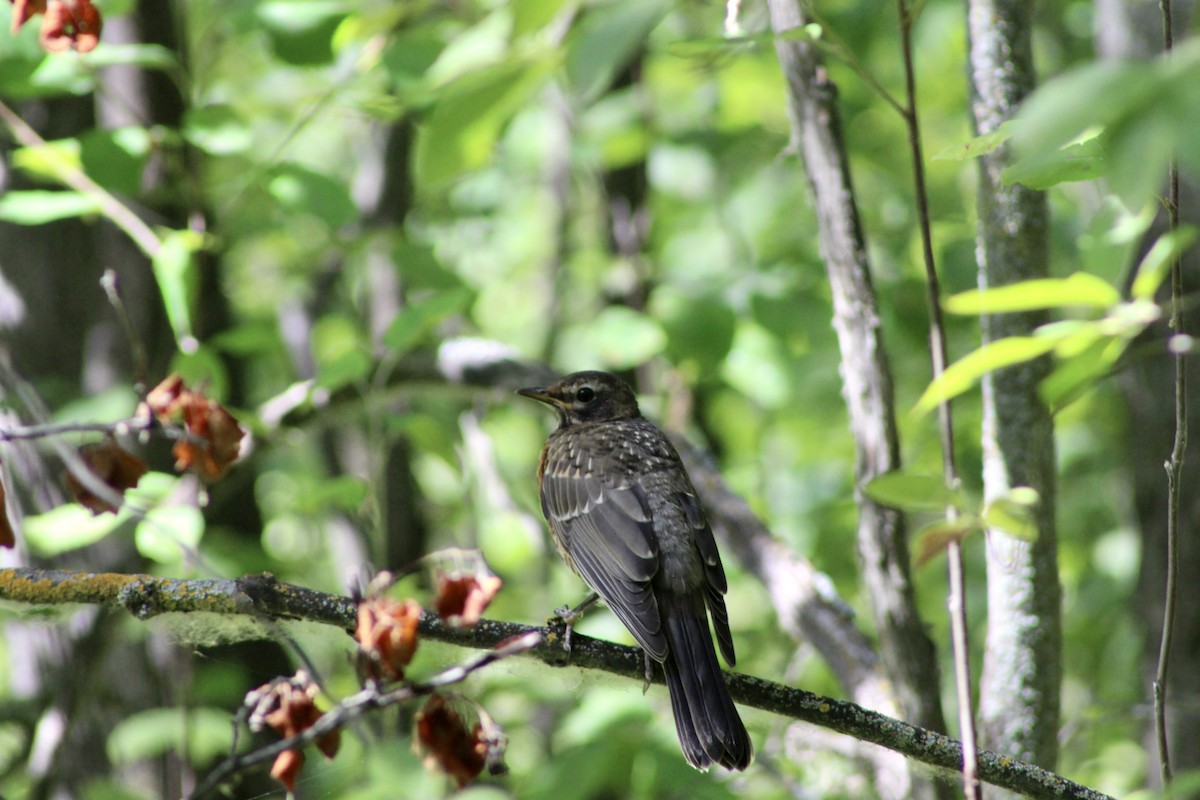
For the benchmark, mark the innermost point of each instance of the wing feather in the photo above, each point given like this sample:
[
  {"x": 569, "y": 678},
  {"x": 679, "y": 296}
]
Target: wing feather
[{"x": 607, "y": 532}]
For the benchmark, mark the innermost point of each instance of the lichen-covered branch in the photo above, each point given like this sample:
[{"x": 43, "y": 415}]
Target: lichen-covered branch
[
  {"x": 1019, "y": 690},
  {"x": 263, "y": 597}
]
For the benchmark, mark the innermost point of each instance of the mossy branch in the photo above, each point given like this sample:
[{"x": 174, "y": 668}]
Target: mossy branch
[{"x": 264, "y": 597}]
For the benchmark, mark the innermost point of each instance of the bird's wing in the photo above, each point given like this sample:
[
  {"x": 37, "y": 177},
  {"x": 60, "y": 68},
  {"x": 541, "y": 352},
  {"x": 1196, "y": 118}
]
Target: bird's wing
[
  {"x": 714, "y": 573},
  {"x": 607, "y": 531}
]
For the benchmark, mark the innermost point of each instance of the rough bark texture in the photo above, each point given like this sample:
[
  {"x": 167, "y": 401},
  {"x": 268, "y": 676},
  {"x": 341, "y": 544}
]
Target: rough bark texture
[
  {"x": 1019, "y": 692},
  {"x": 1132, "y": 29},
  {"x": 905, "y": 647}
]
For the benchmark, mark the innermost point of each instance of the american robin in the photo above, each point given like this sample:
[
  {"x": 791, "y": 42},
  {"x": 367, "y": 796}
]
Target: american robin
[{"x": 624, "y": 516}]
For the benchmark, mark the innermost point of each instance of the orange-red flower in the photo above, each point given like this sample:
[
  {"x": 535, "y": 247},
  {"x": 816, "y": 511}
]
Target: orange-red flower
[
  {"x": 117, "y": 468},
  {"x": 387, "y": 636},
  {"x": 71, "y": 24},
  {"x": 448, "y": 744},
  {"x": 462, "y": 599},
  {"x": 214, "y": 437},
  {"x": 287, "y": 707}
]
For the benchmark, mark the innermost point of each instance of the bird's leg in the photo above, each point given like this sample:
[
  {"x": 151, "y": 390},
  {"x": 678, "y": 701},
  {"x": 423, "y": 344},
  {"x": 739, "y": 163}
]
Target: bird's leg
[
  {"x": 649, "y": 672},
  {"x": 569, "y": 616}
]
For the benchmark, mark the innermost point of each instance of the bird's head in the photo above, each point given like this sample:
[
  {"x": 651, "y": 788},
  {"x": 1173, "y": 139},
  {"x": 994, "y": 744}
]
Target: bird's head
[{"x": 587, "y": 397}]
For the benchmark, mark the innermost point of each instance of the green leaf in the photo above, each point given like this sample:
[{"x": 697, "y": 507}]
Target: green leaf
[
  {"x": 340, "y": 350},
  {"x": 910, "y": 492},
  {"x": 468, "y": 115},
  {"x": 169, "y": 533},
  {"x": 175, "y": 271},
  {"x": 976, "y": 146},
  {"x": 217, "y": 129},
  {"x": 623, "y": 337},
  {"x": 145, "y": 56},
  {"x": 530, "y": 16},
  {"x": 301, "y": 31},
  {"x": 38, "y": 207},
  {"x": 302, "y": 190},
  {"x": 1157, "y": 263},
  {"x": 605, "y": 39},
  {"x": 699, "y": 329},
  {"x": 50, "y": 161},
  {"x": 967, "y": 371},
  {"x": 408, "y": 55},
  {"x": 1080, "y": 289},
  {"x": 1079, "y": 372},
  {"x": 1066, "y": 106},
  {"x": 1083, "y": 161},
  {"x": 933, "y": 539},
  {"x": 1014, "y": 513},
  {"x": 206, "y": 732},
  {"x": 342, "y": 493},
  {"x": 418, "y": 320},
  {"x": 115, "y": 159},
  {"x": 67, "y": 527}
]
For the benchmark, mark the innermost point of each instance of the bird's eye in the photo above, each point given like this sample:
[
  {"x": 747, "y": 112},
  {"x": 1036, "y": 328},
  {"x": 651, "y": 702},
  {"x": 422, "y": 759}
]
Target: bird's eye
[{"x": 586, "y": 395}]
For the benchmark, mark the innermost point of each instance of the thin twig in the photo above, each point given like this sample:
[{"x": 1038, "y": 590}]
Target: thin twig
[
  {"x": 108, "y": 282},
  {"x": 359, "y": 705},
  {"x": 1174, "y": 465},
  {"x": 117, "y": 212},
  {"x": 956, "y": 599}
]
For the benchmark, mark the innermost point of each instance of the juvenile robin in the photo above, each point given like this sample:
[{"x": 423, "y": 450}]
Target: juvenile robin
[{"x": 624, "y": 516}]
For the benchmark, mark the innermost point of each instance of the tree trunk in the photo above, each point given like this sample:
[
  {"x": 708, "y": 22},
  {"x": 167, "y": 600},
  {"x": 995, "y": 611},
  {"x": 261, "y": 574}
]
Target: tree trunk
[{"x": 1019, "y": 691}]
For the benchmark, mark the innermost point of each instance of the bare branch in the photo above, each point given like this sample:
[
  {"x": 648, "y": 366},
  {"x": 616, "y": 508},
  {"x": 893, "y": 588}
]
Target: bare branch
[{"x": 146, "y": 596}]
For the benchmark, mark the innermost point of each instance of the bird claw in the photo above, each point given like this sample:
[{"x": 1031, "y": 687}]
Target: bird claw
[
  {"x": 567, "y": 617},
  {"x": 649, "y": 672}
]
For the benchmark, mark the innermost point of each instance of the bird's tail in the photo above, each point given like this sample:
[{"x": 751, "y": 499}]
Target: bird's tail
[{"x": 709, "y": 728}]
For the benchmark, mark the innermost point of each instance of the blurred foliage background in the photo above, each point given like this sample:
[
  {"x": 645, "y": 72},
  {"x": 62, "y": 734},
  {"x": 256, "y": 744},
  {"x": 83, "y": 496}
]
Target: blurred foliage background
[{"x": 338, "y": 189}]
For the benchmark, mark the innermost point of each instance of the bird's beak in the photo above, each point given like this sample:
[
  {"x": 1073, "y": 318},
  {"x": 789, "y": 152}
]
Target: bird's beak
[{"x": 540, "y": 393}]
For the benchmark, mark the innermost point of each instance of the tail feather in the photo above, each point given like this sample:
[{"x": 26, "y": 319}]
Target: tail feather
[{"x": 709, "y": 728}]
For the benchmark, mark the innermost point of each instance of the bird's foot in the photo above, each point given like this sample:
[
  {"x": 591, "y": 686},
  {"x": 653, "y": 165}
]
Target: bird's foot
[
  {"x": 567, "y": 617},
  {"x": 649, "y": 672}
]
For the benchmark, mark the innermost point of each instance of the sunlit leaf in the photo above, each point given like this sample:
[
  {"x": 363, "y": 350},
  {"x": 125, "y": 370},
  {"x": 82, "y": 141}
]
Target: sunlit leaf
[
  {"x": 933, "y": 539},
  {"x": 205, "y": 732},
  {"x": 49, "y": 161},
  {"x": 1157, "y": 263},
  {"x": 67, "y": 527},
  {"x": 1014, "y": 513},
  {"x": 976, "y": 146},
  {"x": 624, "y": 337},
  {"x": 1076, "y": 374},
  {"x": 175, "y": 271},
  {"x": 970, "y": 369},
  {"x": 145, "y": 56},
  {"x": 1080, "y": 289},
  {"x": 217, "y": 129},
  {"x": 415, "y": 322},
  {"x": 459, "y": 133},
  {"x": 38, "y": 207},
  {"x": 169, "y": 532},
  {"x": 301, "y": 31},
  {"x": 530, "y": 16},
  {"x": 911, "y": 492}
]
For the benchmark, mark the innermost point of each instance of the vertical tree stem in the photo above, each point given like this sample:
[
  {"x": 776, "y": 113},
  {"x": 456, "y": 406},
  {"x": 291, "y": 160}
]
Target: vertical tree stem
[
  {"x": 956, "y": 599},
  {"x": 1174, "y": 465}
]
